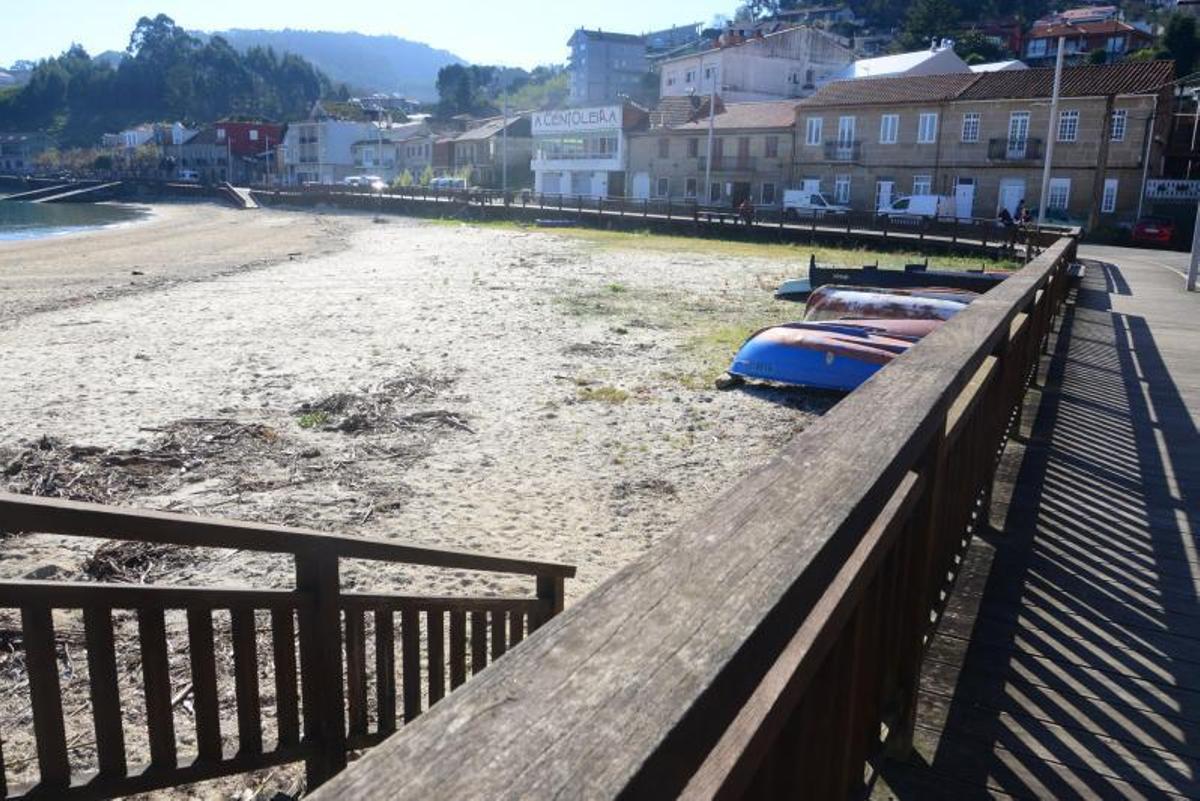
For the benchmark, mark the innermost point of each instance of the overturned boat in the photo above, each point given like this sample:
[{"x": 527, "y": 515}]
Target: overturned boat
[
  {"x": 911, "y": 277},
  {"x": 834, "y": 302},
  {"x": 835, "y": 356}
]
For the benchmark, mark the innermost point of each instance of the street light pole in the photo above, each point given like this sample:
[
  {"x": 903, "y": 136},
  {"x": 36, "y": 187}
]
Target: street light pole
[
  {"x": 1050, "y": 132},
  {"x": 712, "y": 106}
]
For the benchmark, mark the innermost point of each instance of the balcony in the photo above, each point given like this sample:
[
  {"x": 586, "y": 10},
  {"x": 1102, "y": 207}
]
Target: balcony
[
  {"x": 843, "y": 150},
  {"x": 726, "y": 164},
  {"x": 1023, "y": 149}
]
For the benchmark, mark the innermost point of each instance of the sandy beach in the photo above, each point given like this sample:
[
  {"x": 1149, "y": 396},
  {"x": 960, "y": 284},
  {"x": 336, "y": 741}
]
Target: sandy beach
[{"x": 489, "y": 388}]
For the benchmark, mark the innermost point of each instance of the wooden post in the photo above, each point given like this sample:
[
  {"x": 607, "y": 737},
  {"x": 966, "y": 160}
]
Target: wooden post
[
  {"x": 321, "y": 665},
  {"x": 550, "y": 590},
  {"x": 645, "y": 207}
]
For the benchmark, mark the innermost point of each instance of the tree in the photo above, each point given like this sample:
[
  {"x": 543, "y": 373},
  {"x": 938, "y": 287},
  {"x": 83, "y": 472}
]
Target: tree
[
  {"x": 426, "y": 175},
  {"x": 1098, "y": 56},
  {"x": 975, "y": 48},
  {"x": 927, "y": 20},
  {"x": 1181, "y": 42}
]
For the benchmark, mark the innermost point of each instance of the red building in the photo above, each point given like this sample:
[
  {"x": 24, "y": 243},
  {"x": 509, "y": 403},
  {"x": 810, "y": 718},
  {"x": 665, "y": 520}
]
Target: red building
[{"x": 252, "y": 145}]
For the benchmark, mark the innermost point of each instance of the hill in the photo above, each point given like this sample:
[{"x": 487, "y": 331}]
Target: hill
[{"x": 365, "y": 63}]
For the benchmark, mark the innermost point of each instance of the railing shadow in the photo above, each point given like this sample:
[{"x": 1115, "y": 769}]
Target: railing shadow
[{"x": 1082, "y": 675}]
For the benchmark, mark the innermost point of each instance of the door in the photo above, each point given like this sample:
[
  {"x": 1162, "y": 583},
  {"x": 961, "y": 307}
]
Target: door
[
  {"x": 1018, "y": 134},
  {"x": 964, "y": 198},
  {"x": 1012, "y": 192},
  {"x": 741, "y": 191},
  {"x": 883, "y": 194},
  {"x": 641, "y": 185},
  {"x": 845, "y": 140}
]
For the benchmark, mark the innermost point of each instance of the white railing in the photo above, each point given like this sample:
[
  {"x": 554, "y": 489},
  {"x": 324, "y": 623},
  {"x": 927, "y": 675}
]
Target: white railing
[{"x": 1172, "y": 190}]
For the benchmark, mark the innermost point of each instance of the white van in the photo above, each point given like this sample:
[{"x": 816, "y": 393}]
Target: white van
[
  {"x": 189, "y": 176},
  {"x": 914, "y": 206},
  {"x": 804, "y": 202}
]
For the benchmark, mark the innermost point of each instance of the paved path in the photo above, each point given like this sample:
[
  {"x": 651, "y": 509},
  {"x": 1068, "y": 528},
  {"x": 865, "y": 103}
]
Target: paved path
[{"x": 1067, "y": 664}]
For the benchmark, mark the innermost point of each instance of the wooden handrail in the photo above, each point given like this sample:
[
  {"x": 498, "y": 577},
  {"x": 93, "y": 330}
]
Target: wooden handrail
[
  {"x": 629, "y": 691},
  {"x": 78, "y": 595},
  {"x": 25, "y": 513}
]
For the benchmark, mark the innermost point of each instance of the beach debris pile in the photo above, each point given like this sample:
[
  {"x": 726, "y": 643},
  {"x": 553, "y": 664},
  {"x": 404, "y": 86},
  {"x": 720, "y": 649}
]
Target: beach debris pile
[
  {"x": 136, "y": 562},
  {"x": 378, "y": 409}
]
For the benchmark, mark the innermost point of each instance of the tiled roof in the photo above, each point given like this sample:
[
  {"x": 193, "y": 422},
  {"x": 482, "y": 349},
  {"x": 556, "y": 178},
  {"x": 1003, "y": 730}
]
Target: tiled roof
[
  {"x": 607, "y": 36},
  {"x": 1126, "y": 78},
  {"x": 771, "y": 114},
  {"x": 206, "y": 136},
  {"x": 917, "y": 89},
  {"x": 487, "y": 130},
  {"x": 672, "y": 112},
  {"x": 1096, "y": 28}
]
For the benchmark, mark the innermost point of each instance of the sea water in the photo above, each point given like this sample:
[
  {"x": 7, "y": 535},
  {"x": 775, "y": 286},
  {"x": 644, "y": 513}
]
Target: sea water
[{"x": 22, "y": 220}]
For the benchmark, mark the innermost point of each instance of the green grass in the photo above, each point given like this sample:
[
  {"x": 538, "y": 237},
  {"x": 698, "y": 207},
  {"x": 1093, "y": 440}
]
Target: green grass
[
  {"x": 313, "y": 419},
  {"x": 604, "y": 394}
]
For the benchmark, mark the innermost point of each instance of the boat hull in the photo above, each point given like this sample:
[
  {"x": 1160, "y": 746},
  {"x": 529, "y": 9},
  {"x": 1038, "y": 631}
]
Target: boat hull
[{"x": 817, "y": 355}]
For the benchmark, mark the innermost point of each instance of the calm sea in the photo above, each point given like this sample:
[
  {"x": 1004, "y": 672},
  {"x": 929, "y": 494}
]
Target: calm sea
[{"x": 20, "y": 220}]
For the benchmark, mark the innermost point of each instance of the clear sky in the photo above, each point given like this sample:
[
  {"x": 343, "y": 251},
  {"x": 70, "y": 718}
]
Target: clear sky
[{"x": 521, "y": 33}]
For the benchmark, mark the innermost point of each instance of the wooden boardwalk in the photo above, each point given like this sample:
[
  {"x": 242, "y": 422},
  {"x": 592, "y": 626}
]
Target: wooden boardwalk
[{"x": 1067, "y": 663}]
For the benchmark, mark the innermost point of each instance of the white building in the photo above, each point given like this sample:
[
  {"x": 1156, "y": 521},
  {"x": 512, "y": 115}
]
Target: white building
[
  {"x": 940, "y": 59},
  {"x": 788, "y": 63},
  {"x": 322, "y": 151},
  {"x": 584, "y": 151}
]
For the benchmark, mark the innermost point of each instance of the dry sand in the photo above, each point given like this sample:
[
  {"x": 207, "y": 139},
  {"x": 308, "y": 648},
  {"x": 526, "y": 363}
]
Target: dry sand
[{"x": 550, "y": 396}]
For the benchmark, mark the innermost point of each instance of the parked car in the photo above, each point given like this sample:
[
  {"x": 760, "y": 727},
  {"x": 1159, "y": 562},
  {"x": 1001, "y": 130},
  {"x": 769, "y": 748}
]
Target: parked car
[
  {"x": 1154, "y": 231},
  {"x": 801, "y": 202},
  {"x": 189, "y": 176},
  {"x": 911, "y": 207},
  {"x": 448, "y": 182}
]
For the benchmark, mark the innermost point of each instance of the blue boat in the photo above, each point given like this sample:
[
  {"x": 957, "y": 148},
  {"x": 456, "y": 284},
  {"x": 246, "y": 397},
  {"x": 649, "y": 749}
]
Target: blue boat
[{"x": 837, "y": 356}]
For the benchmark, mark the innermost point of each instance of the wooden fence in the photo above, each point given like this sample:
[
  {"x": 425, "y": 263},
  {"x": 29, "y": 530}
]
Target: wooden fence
[
  {"x": 321, "y": 709},
  {"x": 688, "y": 215},
  {"x": 771, "y": 647}
]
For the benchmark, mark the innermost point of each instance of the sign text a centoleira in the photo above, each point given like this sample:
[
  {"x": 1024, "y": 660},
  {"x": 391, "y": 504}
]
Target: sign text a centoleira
[{"x": 599, "y": 118}]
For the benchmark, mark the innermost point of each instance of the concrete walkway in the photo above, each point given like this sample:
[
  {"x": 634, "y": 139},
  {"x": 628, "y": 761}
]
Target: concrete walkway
[{"x": 1067, "y": 664}]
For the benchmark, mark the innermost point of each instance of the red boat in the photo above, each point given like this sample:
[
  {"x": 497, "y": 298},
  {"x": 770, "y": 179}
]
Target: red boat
[{"x": 835, "y": 302}]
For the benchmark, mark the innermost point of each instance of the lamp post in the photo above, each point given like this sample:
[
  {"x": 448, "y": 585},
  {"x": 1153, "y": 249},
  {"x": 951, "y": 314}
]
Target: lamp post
[
  {"x": 712, "y": 108},
  {"x": 1051, "y": 132}
]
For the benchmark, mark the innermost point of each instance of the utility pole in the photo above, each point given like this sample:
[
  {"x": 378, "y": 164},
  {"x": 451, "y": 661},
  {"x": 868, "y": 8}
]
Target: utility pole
[
  {"x": 1194, "y": 267},
  {"x": 1051, "y": 132},
  {"x": 712, "y": 108},
  {"x": 1101, "y": 166},
  {"x": 504, "y": 151}
]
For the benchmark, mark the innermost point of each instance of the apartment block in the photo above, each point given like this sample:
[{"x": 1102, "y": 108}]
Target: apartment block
[{"x": 606, "y": 67}]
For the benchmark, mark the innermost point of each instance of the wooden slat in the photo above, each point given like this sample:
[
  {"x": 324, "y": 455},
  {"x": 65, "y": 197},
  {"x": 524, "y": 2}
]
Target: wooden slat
[
  {"x": 321, "y": 667},
  {"x": 356, "y": 672},
  {"x": 498, "y": 632},
  {"x": 410, "y": 659},
  {"x": 204, "y": 684},
  {"x": 26, "y": 513},
  {"x": 105, "y": 691},
  {"x": 385, "y": 669},
  {"x": 156, "y": 680},
  {"x": 79, "y": 595},
  {"x": 45, "y": 695},
  {"x": 287, "y": 696},
  {"x": 427, "y": 602},
  {"x": 516, "y": 627},
  {"x": 458, "y": 648},
  {"x": 3, "y": 775},
  {"x": 434, "y": 629},
  {"x": 479, "y": 651},
  {"x": 245, "y": 678}
]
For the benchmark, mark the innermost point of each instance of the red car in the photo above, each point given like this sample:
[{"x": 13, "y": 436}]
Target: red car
[{"x": 1158, "y": 231}]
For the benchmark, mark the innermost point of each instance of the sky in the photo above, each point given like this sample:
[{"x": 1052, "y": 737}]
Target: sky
[{"x": 519, "y": 33}]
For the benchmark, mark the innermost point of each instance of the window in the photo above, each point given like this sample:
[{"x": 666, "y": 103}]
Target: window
[
  {"x": 772, "y": 147},
  {"x": 671, "y": 78},
  {"x": 1068, "y": 126},
  {"x": 664, "y": 147},
  {"x": 841, "y": 189},
  {"x": 1120, "y": 118},
  {"x": 689, "y": 76},
  {"x": 220, "y": 134},
  {"x": 927, "y": 129},
  {"x": 1060, "y": 193},
  {"x": 664, "y": 187},
  {"x": 889, "y": 127},
  {"x": 253, "y": 134},
  {"x": 768, "y": 194},
  {"x": 812, "y": 131},
  {"x": 970, "y": 129},
  {"x": 1109, "y": 202},
  {"x": 714, "y": 192},
  {"x": 689, "y": 188},
  {"x": 845, "y": 132},
  {"x": 922, "y": 185},
  {"x": 1115, "y": 45},
  {"x": 693, "y": 148},
  {"x": 1037, "y": 47}
]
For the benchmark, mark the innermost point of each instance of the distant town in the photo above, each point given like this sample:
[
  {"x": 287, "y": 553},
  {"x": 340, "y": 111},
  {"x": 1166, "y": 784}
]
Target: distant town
[{"x": 783, "y": 106}]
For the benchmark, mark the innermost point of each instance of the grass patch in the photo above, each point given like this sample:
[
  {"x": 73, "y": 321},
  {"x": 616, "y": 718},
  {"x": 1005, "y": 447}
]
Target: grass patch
[
  {"x": 314, "y": 419},
  {"x": 710, "y": 351},
  {"x": 604, "y": 394}
]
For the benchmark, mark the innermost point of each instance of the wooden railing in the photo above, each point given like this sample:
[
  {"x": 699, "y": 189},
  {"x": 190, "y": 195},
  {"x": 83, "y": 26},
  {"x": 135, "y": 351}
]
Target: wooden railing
[
  {"x": 771, "y": 647},
  {"x": 319, "y": 711}
]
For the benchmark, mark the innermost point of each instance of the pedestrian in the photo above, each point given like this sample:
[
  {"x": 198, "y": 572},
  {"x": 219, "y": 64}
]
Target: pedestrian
[{"x": 746, "y": 209}]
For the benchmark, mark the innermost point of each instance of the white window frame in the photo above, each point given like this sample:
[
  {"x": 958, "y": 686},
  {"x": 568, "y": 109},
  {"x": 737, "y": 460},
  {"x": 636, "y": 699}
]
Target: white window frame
[
  {"x": 714, "y": 197},
  {"x": 762, "y": 193},
  {"x": 658, "y": 186},
  {"x": 970, "y": 126},
  {"x": 1068, "y": 125},
  {"x": 927, "y": 125},
  {"x": 813, "y": 129},
  {"x": 1108, "y": 203},
  {"x": 1120, "y": 122},
  {"x": 1060, "y": 189},
  {"x": 889, "y": 129},
  {"x": 846, "y": 129},
  {"x": 922, "y": 180},
  {"x": 690, "y": 187},
  {"x": 841, "y": 189}
]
